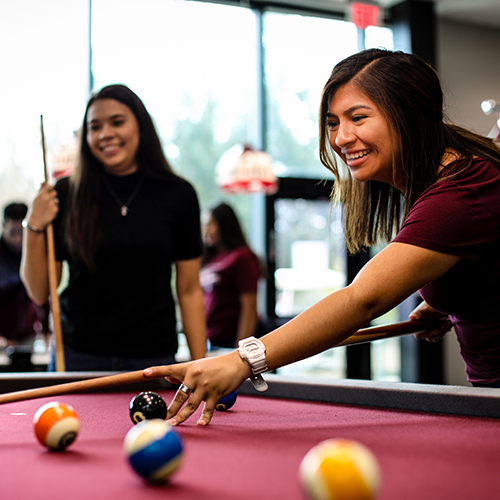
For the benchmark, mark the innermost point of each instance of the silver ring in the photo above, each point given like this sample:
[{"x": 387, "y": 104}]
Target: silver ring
[{"x": 185, "y": 389}]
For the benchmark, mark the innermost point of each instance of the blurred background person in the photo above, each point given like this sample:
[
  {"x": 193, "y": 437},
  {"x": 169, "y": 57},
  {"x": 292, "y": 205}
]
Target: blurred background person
[
  {"x": 229, "y": 278},
  {"x": 20, "y": 318}
]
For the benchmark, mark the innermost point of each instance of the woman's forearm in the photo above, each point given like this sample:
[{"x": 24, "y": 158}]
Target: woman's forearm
[
  {"x": 313, "y": 331},
  {"x": 190, "y": 298},
  {"x": 193, "y": 322},
  {"x": 34, "y": 266}
]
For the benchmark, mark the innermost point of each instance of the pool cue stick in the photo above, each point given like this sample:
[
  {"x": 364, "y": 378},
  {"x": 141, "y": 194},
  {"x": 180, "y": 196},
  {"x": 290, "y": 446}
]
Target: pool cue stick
[
  {"x": 374, "y": 333},
  {"x": 390, "y": 331},
  {"x": 75, "y": 387},
  {"x": 51, "y": 263}
]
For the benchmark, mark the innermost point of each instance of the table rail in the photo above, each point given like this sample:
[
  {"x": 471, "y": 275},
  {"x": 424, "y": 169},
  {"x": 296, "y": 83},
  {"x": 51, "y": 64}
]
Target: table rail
[{"x": 456, "y": 400}]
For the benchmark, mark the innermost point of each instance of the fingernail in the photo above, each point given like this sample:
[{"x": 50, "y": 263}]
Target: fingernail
[
  {"x": 172, "y": 421},
  {"x": 201, "y": 422},
  {"x": 147, "y": 371}
]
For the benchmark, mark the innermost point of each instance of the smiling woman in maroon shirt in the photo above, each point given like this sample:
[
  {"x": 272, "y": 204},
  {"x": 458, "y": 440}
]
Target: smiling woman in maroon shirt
[{"x": 400, "y": 168}]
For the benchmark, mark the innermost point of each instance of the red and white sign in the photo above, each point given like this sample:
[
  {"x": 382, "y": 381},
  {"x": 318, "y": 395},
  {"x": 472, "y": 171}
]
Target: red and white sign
[{"x": 363, "y": 15}]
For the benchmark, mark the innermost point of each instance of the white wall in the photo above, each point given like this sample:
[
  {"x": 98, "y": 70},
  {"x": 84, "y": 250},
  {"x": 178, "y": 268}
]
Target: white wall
[
  {"x": 469, "y": 67},
  {"x": 468, "y": 61}
]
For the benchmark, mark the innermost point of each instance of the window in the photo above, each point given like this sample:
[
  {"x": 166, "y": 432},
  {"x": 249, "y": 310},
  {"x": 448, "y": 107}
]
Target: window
[
  {"x": 194, "y": 66},
  {"x": 41, "y": 76},
  {"x": 300, "y": 53}
]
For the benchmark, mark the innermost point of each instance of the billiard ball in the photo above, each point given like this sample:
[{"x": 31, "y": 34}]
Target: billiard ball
[
  {"x": 154, "y": 449},
  {"x": 56, "y": 425},
  {"x": 147, "y": 405},
  {"x": 227, "y": 402},
  {"x": 340, "y": 469}
]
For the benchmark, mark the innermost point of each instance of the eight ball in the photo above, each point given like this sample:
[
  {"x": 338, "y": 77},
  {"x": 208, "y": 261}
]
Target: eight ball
[{"x": 146, "y": 406}]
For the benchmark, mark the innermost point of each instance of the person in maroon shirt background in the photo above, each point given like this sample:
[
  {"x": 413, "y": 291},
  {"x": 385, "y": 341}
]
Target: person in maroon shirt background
[
  {"x": 229, "y": 277},
  {"x": 401, "y": 170},
  {"x": 20, "y": 319}
]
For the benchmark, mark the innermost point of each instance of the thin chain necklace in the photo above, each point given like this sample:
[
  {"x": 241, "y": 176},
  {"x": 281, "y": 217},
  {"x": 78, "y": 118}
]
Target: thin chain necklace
[{"x": 124, "y": 207}]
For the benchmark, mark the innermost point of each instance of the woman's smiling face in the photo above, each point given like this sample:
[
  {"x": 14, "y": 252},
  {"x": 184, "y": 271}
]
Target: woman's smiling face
[
  {"x": 113, "y": 136},
  {"x": 361, "y": 135}
]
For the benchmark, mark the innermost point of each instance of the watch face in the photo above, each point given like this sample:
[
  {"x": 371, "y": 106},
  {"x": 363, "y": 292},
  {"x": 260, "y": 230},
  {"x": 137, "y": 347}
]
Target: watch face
[{"x": 253, "y": 349}]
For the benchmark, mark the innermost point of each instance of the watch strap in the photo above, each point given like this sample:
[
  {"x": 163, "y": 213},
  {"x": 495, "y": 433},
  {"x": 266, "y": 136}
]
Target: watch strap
[
  {"x": 259, "y": 366},
  {"x": 35, "y": 229},
  {"x": 258, "y": 382}
]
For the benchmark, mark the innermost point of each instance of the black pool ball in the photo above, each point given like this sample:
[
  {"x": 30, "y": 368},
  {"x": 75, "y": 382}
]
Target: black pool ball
[
  {"x": 146, "y": 406},
  {"x": 227, "y": 402}
]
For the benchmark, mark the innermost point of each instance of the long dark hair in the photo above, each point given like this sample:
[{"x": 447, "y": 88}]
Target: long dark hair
[
  {"x": 408, "y": 92},
  {"x": 82, "y": 230},
  {"x": 230, "y": 232}
]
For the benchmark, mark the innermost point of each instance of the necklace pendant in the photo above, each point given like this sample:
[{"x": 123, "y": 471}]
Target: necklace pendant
[{"x": 124, "y": 210}]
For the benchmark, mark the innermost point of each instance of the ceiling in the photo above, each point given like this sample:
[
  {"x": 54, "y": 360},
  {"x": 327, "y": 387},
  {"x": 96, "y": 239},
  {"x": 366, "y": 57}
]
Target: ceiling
[{"x": 481, "y": 12}]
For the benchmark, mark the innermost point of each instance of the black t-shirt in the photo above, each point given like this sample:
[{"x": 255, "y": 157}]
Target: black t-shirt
[{"x": 126, "y": 308}]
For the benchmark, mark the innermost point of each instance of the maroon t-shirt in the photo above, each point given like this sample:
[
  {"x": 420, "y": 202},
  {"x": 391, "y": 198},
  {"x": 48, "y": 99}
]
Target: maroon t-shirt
[
  {"x": 224, "y": 279},
  {"x": 462, "y": 217}
]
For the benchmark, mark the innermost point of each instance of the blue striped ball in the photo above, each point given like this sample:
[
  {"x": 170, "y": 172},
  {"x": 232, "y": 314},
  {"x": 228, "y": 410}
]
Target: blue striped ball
[{"x": 154, "y": 449}]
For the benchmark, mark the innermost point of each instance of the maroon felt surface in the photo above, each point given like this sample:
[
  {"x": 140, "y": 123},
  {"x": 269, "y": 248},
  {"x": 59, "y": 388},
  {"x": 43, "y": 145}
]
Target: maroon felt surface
[{"x": 250, "y": 452}]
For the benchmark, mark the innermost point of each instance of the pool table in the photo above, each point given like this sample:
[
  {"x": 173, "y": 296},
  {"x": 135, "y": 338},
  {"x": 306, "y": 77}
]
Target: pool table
[{"x": 432, "y": 442}]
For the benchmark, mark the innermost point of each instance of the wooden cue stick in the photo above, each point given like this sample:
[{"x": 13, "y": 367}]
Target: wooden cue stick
[
  {"x": 389, "y": 331},
  {"x": 363, "y": 335},
  {"x": 51, "y": 263},
  {"x": 74, "y": 387}
]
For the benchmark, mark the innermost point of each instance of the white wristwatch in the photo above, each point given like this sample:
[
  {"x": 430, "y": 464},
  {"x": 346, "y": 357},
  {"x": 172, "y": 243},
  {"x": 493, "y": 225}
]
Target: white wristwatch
[{"x": 253, "y": 351}]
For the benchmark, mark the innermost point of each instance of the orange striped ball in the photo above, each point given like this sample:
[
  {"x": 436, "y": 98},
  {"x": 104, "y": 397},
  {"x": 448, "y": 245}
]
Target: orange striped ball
[
  {"x": 340, "y": 469},
  {"x": 56, "y": 425}
]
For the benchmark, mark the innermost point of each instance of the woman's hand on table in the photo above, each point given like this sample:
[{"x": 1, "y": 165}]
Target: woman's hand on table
[
  {"x": 204, "y": 381},
  {"x": 425, "y": 311}
]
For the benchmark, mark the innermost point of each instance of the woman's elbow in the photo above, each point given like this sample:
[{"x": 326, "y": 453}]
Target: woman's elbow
[
  {"x": 36, "y": 294},
  {"x": 38, "y": 297}
]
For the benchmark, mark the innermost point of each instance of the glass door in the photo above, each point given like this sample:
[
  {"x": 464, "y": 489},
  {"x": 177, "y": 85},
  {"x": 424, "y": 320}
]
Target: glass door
[{"x": 306, "y": 262}]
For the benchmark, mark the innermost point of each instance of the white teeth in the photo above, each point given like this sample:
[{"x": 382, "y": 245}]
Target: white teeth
[{"x": 355, "y": 156}]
